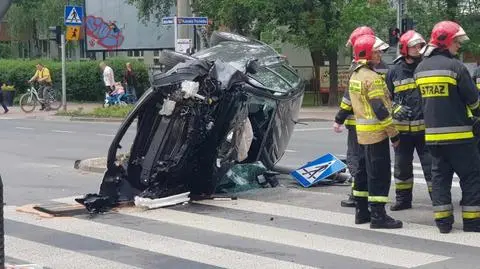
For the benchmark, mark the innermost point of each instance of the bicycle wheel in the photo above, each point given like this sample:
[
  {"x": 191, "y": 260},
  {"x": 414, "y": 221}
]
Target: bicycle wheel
[
  {"x": 54, "y": 99},
  {"x": 26, "y": 101}
]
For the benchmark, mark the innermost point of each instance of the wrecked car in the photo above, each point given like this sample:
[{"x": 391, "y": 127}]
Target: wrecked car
[{"x": 232, "y": 104}]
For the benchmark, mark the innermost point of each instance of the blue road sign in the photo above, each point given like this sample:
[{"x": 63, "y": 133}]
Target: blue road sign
[
  {"x": 317, "y": 170},
  {"x": 73, "y": 15},
  {"x": 167, "y": 20},
  {"x": 193, "y": 20}
]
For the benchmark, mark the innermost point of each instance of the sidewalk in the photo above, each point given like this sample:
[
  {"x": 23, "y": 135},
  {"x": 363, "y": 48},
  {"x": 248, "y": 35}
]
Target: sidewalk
[{"x": 321, "y": 113}]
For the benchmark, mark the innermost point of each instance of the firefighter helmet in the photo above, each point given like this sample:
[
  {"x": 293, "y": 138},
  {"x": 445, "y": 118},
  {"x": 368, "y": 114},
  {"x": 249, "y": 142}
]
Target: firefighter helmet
[
  {"x": 444, "y": 32},
  {"x": 410, "y": 39},
  {"x": 363, "y": 47},
  {"x": 359, "y": 31},
  {"x": 380, "y": 45}
]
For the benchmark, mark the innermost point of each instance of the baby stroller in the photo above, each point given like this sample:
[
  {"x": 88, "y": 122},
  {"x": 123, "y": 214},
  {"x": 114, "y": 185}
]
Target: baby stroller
[{"x": 115, "y": 97}]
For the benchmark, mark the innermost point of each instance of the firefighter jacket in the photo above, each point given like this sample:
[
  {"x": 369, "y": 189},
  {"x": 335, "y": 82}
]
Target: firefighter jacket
[
  {"x": 404, "y": 92},
  {"x": 371, "y": 106},
  {"x": 449, "y": 98},
  {"x": 476, "y": 78},
  {"x": 345, "y": 113}
]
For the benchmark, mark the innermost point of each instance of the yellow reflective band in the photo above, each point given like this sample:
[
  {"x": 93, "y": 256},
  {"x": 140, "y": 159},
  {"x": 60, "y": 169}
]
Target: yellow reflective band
[
  {"x": 360, "y": 194},
  {"x": 376, "y": 93},
  {"x": 350, "y": 122},
  {"x": 355, "y": 85},
  {"x": 435, "y": 80},
  {"x": 368, "y": 109},
  {"x": 417, "y": 128},
  {"x": 378, "y": 199},
  {"x": 469, "y": 113},
  {"x": 429, "y": 189},
  {"x": 397, "y": 109},
  {"x": 405, "y": 87},
  {"x": 478, "y": 86},
  {"x": 449, "y": 136},
  {"x": 474, "y": 106},
  {"x": 404, "y": 186},
  {"x": 471, "y": 215},
  {"x": 403, "y": 128},
  {"x": 345, "y": 106},
  {"x": 386, "y": 122},
  {"x": 442, "y": 214}
]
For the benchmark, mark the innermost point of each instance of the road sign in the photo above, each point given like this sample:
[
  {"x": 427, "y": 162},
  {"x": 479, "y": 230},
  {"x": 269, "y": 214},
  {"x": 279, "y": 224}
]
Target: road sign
[
  {"x": 73, "y": 15},
  {"x": 318, "y": 170},
  {"x": 167, "y": 20},
  {"x": 192, "y": 20},
  {"x": 73, "y": 33}
]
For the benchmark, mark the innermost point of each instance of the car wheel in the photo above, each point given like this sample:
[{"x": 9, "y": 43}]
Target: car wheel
[
  {"x": 170, "y": 58},
  {"x": 218, "y": 37}
]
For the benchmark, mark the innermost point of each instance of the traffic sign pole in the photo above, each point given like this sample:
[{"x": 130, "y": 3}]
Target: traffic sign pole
[
  {"x": 64, "y": 77},
  {"x": 175, "y": 30}
]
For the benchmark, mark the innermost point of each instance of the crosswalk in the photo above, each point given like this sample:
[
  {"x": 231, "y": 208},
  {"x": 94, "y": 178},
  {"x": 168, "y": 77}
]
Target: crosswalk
[{"x": 272, "y": 228}]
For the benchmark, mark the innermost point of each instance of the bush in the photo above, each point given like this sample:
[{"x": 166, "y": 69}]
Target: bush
[
  {"x": 100, "y": 112},
  {"x": 84, "y": 78}
]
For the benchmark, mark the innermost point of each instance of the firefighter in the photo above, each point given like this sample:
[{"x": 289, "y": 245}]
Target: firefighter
[
  {"x": 374, "y": 125},
  {"x": 408, "y": 119},
  {"x": 345, "y": 116},
  {"x": 450, "y": 105},
  {"x": 476, "y": 77}
]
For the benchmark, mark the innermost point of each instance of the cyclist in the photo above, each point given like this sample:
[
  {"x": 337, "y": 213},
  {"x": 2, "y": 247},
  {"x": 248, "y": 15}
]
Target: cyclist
[{"x": 44, "y": 78}]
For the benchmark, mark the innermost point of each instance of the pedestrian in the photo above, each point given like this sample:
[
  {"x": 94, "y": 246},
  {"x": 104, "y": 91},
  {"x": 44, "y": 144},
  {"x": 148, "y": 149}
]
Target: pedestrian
[
  {"x": 408, "y": 119},
  {"x": 108, "y": 77},
  {"x": 374, "y": 124},
  {"x": 2, "y": 101},
  {"x": 345, "y": 116},
  {"x": 450, "y": 99},
  {"x": 130, "y": 81}
]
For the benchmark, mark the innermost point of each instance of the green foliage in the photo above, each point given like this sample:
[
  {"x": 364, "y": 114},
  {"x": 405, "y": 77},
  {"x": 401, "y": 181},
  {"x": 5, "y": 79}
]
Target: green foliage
[
  {"x": 153, "y": 10},
  {"x": 5, "y": 51},
  {"x": 99, "y": 112},
  {"x": 84, "y": 78}
]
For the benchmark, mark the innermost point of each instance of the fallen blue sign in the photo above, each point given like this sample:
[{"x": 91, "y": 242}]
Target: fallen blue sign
[{"x": 318, "y": 170}]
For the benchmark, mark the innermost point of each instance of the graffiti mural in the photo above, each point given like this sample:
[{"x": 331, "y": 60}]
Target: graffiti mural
[{"x": 105, "y": 34}]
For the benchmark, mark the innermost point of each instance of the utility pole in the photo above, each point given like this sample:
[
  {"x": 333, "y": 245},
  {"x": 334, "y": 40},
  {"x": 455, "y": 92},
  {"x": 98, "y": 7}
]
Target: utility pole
[
  {"x": 64, "y": 77},
  {"x": 401, "y": 11},
  {"x": 183, "y": 10}
]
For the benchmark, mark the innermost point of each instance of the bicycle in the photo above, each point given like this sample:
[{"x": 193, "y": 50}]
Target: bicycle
[{"x": 31, "y": 98}]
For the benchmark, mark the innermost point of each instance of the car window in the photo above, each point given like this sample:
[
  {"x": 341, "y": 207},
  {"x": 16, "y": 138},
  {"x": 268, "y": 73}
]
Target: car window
[
  {"x": 288, "y": 75},
  {"x": 271, "y": 80}
]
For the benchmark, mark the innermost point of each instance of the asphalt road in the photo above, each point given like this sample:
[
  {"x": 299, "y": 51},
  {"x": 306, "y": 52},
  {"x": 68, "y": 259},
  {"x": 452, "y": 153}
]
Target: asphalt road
[{"x": 284, "y": 227}]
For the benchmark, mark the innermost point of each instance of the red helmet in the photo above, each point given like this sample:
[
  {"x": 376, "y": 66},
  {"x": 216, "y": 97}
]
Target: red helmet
[
  {"x": 363, "y": 47},
  {"x": 410, "y": 39},
  {"x": 445, "y": 32},
  {"x": 359, "y": 31}
]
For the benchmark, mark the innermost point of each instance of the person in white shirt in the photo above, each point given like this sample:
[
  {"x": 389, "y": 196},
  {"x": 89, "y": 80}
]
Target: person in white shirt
[{"x": 108, "y": 77}]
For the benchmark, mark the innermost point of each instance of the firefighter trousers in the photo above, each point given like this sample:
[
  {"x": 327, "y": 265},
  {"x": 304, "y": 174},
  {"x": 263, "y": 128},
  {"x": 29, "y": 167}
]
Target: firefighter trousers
[
  {"x": 374, "y": 181},
  {"x": 403, "y": 168},
  {"x": 464, "y": 160},
  {"x": 354, "y": 151}
]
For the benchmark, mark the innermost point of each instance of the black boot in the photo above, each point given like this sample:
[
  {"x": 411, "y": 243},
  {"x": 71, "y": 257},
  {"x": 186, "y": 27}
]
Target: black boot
[
  {"x": 445, "y": 224},
  {"x": 471, "y": 225},
  {"x": 350, "y": 202},
  {"x": 404, "y": 200},
  {"x": 380, "y": 219},
  {"x": 362, "y": 215}
]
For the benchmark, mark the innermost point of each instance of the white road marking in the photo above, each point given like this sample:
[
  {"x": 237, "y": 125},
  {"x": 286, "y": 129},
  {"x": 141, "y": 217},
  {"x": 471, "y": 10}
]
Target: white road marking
[
  {"x": 321, "y": 243},
  {"x": 63, "y": 131},
  {"x": 23, "y": 128},
  {"x": 290, "y": 151},
  {"x": 165, "y": 245},
  {"x": 311, "y": 129},
  {"x": 107, "y": 135},
  {"x": 53, "y": 257}
]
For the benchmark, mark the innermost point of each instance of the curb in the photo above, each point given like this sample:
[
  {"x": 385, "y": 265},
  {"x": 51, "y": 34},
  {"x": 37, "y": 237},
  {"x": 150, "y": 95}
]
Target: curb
[
  {"x": 92, "y": 119},
  {"x": 95, "y": 165}
]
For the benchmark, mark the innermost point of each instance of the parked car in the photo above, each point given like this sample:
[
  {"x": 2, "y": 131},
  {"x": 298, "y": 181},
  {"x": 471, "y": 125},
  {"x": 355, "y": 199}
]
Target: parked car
[{"x": 233, "y": 103}]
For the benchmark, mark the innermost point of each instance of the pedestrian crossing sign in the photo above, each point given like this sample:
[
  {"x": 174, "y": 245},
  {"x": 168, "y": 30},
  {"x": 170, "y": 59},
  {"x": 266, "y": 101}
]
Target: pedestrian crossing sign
[
  {"x": 318, "y": 170},
  {"x": 73, "y": 15}
]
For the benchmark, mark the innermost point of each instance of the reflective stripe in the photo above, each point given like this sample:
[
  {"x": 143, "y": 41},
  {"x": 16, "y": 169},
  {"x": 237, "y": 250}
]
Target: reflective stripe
[
  {"x": 367, "y": 121},
  {"x": 471, "y": 215},
  {"x": 434, "y": 80},
  {"x": 473, "y": 106},
  {"x": 397, "y": 122},
  {"x": 350, "y": 122},
  {"x": 409, "y": 126},
  {"x": 403, "y": 186},
  {"x": 443, "y": 207},
  {"x": 364, "y": 125},
  {"x": 445, "y": 137},
  {"x": 417, "y": 128},
  {"x": 453, "y": 129},
  {"x": 442, "y": 214},
  {"x": 383, "y": 71},
  {"x": 360, "y": 194},
  {"x": 346, "y": 101},
  {"x": 376, "y": 93},
  {"x": 403, "y": 81},
  {"x": 432, "y": 73},
  {"x": 405, "y": 87},
  {"x": 417, "y": 122},
  {"x": 378, "y": 199},
  {"x": 410, "y": 180},
  {"x": 478, "y": 86},
  {"x": 345, "y": 106},
  {"x": 471, "y": 208}
]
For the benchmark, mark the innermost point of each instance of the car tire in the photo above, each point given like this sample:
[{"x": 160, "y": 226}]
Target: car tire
[
  {"x": 218, "y": 37},
  {"x": 170, "y": 58}
]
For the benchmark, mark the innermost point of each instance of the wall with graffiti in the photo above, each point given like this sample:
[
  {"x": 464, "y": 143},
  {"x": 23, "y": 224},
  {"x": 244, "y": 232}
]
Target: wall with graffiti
[{"x": 114, "y": 25}]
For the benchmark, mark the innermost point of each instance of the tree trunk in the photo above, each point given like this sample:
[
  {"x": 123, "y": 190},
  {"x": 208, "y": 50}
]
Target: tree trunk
[
  {"x": 452, "y": 6},
  {"x": 318, "y": 59},
  {"x": 333, "y": 70}
]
